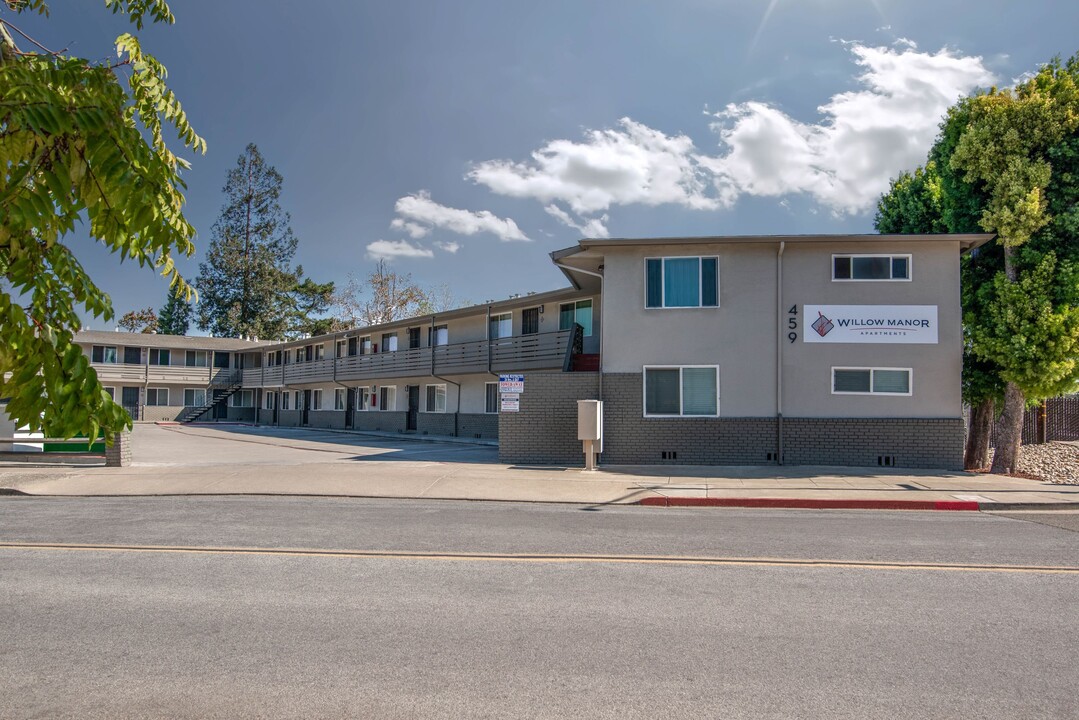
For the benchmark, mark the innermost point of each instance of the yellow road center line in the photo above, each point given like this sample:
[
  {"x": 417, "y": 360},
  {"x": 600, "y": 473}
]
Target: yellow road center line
[{"x": 544, "y": 558}]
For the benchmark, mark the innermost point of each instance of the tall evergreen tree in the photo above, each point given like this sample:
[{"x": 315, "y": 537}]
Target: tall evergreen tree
[
  {"x": 175, "y": 317},
  {"x": 245, "y": 282}
]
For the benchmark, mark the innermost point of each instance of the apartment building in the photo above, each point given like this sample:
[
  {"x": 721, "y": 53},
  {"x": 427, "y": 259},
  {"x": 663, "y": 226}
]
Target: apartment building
[
  {"x": 838, "y": 350},
  {"x": 833, "y": 350},
  {"x": 434, "y": 374}
]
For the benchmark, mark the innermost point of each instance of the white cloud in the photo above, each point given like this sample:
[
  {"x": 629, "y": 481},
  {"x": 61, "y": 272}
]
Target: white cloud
[
  {"x": 843, "y": 159},
  {"x": 633, "y": 164},
  {"x": 591, "y": 227},
  {"x": 450, "y": 247},
  {"x": 419, "y": 214},
  {"x": 389, "y": 249},
  {"x": 866, "y": 136}
]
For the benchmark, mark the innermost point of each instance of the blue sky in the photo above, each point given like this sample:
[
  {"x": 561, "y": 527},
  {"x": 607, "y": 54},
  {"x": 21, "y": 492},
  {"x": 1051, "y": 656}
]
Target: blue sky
[{"x": 466, "y": 140}]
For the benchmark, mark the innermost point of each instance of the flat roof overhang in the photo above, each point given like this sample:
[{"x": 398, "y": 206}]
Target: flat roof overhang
[{"x": 967, "y": 241}]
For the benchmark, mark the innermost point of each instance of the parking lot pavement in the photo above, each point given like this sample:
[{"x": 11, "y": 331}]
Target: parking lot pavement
[{"x": 202, "y": 445}]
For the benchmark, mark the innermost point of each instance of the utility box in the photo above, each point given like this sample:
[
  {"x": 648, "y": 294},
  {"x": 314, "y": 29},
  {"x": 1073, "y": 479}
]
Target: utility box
[{"x": 590, "y": 430}]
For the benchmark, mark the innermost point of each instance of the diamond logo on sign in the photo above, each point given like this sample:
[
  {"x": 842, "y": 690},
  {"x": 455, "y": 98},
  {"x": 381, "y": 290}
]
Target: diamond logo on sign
[{"x": 822, "y": 325}]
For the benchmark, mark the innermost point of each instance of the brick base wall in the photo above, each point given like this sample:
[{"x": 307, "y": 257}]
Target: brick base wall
[
  {"x": 908, "y": 442},
  {"x": 436, "y": 423},
  {"x": 386, "y": 421},
  {"x": 545, "y": 432},
  {"x": 241, "y": 414},
  {"x": 326, "y": 419},
  {"x": 545, "y": 429},
  {"x": 289, "y": 418},
  {"x": 483, "y": 425}
]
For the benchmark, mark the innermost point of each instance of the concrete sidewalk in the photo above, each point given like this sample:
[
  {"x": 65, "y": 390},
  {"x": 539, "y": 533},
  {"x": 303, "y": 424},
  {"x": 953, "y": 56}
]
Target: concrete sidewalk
[{"x": 260, "y": 461}]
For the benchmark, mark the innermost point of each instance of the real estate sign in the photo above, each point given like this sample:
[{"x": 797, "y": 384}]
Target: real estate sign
[
  {"x": 909, "y": 324},
  {"x": 511, "y": 383}
]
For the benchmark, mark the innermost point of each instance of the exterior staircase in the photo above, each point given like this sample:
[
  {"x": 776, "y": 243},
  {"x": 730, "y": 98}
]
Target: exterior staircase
[
  {"x": 219, "y": 392},
  {"x": 585, "y": 362}
]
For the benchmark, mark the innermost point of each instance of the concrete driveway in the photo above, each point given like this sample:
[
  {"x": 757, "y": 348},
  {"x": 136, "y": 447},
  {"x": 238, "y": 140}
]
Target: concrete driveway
[{"x": 244, "y": 445}]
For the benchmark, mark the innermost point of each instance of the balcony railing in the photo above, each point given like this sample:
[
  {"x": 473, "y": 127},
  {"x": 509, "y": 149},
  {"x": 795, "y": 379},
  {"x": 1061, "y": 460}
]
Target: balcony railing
[
  {"x": 142, "y": 373},
  {"x": 525, "y": 352}
]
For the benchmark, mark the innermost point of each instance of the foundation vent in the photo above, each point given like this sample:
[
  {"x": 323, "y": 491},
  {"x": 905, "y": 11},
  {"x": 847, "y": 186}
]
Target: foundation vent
[
  {"x": 886, "y": 460},
  {"x": 668, "y": 455}
]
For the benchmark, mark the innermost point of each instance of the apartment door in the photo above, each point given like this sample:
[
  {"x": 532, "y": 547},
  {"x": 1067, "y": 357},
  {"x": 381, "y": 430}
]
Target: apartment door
[
  {"x": 306, "y": 407},
  {"x": 350, "y": 406},
  {"x": 275, "y": 403},
  {"x": 129, "y": 399},
  {"x": 413, "y": 407}
]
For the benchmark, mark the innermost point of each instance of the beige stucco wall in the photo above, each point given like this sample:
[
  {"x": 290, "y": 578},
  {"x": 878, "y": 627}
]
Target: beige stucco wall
[{"x": 741, "y": 335}]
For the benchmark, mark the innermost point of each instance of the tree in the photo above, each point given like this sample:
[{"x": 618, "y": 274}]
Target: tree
[
  {"x": 76, "y": 144},
  {"x": 387, "y": 296},
  {"x": 245, "y": 281},
  {"x": 1006, "y": 147},
  {"x": 308, "y": 300},
  {"x": 175, "y": 317},
  {"x": 1007, "y": 162},
  {"x": 144, "y": 321}
]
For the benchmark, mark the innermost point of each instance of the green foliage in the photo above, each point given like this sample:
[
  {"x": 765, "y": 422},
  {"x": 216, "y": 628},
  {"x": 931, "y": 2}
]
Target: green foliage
[
  {"x": 72, "y": 148},
  {"x": 1030, "y": 328},
  {"x": 308, "y": 300},
  {"x": 246, "y": 282},
  {"x": 913, "y": 203},
  {"x": 175, "y": 317},
  {"x": 144, "y": 320}
]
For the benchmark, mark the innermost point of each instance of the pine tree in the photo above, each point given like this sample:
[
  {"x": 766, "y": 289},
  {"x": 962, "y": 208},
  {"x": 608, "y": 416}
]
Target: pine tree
[
  {"x": 175, "y": 317},
  {"x": 245, "y": 282}
]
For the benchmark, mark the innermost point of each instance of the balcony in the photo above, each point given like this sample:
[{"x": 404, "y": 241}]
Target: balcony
[
  {"x": 132, "y": 373},
  {"x": 544, "y": 351}
]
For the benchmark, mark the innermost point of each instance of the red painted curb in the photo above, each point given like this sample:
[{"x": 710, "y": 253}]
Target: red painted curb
[{"x": 810, "y": 504}]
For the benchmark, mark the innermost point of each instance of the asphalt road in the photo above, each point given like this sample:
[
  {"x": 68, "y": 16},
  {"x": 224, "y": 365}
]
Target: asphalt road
[{"x": 558, "y": 612}]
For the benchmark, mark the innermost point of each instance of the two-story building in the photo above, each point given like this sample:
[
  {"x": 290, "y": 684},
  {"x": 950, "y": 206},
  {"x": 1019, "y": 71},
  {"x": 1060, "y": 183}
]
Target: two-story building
[{"x": 837, "y": 349}]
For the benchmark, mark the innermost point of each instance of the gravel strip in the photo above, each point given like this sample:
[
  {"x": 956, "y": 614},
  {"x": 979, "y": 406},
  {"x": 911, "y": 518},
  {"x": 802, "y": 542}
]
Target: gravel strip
[{"x": 1055, "y": 462}]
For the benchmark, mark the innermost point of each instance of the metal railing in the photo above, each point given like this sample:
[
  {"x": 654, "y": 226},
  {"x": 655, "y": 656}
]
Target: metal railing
[{"x": 523, "y": 352}]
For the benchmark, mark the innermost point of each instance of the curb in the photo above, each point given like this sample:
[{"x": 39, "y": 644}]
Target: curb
[{"x": 810, "y": 504}]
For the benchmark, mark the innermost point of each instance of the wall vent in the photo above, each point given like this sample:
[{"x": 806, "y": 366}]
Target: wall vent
[
  {"x": 668, "y": 455},
  {"x": 886, "y": 460},
  {"x": 771, "y": 457}
]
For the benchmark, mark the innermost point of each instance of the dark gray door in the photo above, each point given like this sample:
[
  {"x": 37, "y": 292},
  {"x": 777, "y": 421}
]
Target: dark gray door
[
  {"x": 306, "y": 407},
  {"x": 413, "y": 407},
  {"x": 129, "y": 398},
  {"x": 350, "y": 406}
]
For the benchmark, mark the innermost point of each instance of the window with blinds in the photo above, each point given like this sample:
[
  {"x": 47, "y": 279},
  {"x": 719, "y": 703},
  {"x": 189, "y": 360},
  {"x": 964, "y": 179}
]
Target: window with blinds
[
  {"x": 871, "y": 381},
  {"x": 681, "y": 391},
  {"x": 681, "y": 282}
]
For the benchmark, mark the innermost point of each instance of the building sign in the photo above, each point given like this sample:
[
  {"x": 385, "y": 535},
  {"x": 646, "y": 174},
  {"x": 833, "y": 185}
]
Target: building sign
[
  {"x": 511, "y": 384},
  {"x": 511, "y": 402},
  {"x": 908, "y": 324}
]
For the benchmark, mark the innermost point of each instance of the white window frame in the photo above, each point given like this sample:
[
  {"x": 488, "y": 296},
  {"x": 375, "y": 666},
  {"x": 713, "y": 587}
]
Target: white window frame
[
  {"x": 498, "y": 397},
  {"x": 194, "y": 396},
  {"x": 391, "y": 394},
  {"x": 341, "y": 348},
  {"x": 340, "y": 400},
  {"x": 104, "y": 348},
  {"x": 499, "y": 318},
  {"x": 111, "y": 390},
  {"x": 444, "y": 394},
  {"x": 267, "y": 400},
  {"x": 681, "y": 410},
  {"x": 195, "y": 354},
  {"x": 316, "y": 399},
  {"x": 157, "y": 397},
  {"x": 363, "y": 399},
  {"x": 890, "y": 256},
  {"x": 574, "y": 304},
  {"x": 284, "y": 400},
  {"x": 663, "y": 285},
  {"x": 299, "y": 399},
  {"x": 243, "y": 399},
  {"x": 910, "y": 382}
]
